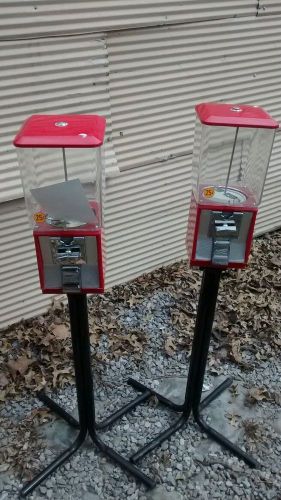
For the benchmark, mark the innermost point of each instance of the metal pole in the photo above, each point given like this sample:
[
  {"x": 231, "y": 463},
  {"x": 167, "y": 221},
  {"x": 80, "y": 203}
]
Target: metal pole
[
  {"x": 231, "y": 159},
  {"x": 64, "y": 164},
  {"x": 81, "y": 315},
  {"x": 202, "y": 335}
]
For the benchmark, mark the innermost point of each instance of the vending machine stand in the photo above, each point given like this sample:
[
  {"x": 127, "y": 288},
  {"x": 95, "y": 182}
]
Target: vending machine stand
[
  {"x": 198, "y": 360},
  {"x": 86, "y": 424},
  {"x": 192, "y": 403}
]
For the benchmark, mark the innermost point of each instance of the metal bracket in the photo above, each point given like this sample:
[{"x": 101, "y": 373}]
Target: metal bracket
[
  {"x": 70, "y": 250},
  {"x": 224, "y": 226},
  {"x": 71, "y": 279}
]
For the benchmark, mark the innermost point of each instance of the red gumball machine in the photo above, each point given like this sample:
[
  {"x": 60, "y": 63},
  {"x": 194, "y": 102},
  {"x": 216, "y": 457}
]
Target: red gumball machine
[
  {"x": 62, "y": 171},
  {"x": 232, "y": 148},
  {"x": 231, "y": 154},
  {"x": 60, "y": 158}
]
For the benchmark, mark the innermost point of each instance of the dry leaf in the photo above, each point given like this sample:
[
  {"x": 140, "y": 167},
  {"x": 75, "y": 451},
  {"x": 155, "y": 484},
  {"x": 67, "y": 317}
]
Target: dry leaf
[
  {"x": 234, "y": 419},
  {"x": 3, "y": 380},
  {"x": 257, "y": 394},
  {"x": 170, "y": 346},
  {"x": 234, "y": 390},
  {"x": 58, "y": 373},
  {"x": 235, "y": 350},
  {"x": 235, "y": 353},
  {"x": 94, "y": 339},
  {"x": 19, "y": 365},
  {"x": 61, "y": 332},
  {"x": 3, "y": 395},
  {"x": 252, "y": 429}
]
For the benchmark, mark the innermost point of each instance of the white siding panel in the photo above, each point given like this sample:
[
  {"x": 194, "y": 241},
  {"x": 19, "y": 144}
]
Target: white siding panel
[
  {"x": 146, "y": 227},
  {"x": 26, "y": 18},
  {"x": 269, "y": 7},
  {"x": 158, "y": 75},
  {"x": 148, "y": 88},
  {"x": 48, "y": 76},
  {"x": 269, "y": 216},
  {"x": 20, "y": 295}
]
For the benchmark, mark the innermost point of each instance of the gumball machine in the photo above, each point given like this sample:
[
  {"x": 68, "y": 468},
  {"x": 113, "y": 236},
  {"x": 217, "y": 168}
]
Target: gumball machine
[
  {"x": 61, "y": 165},
  {"x": 232, "y": 147},
  {"x": 62, "y": 170}
]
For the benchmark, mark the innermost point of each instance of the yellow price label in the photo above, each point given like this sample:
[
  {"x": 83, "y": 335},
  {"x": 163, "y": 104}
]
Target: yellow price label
[
  {"x": 39, "y": 217},
  {"x": 208, "y": 192}
]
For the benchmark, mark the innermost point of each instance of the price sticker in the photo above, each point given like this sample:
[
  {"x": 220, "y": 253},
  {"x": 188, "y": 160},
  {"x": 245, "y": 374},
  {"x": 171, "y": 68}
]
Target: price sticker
[
  {"x": 208, "y": 192},
  {"x": 39, "y": 217}
]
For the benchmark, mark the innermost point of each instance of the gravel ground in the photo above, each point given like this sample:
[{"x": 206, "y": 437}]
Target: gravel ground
[{"x": 189, "y": 465}]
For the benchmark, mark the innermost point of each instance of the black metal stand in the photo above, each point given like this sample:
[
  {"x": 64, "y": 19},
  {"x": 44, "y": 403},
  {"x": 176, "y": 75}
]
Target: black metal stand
[
  {"x": 85, "y": 394},
  {"x": 198, "y": 360},
  {"x": 85, "y": 397}
]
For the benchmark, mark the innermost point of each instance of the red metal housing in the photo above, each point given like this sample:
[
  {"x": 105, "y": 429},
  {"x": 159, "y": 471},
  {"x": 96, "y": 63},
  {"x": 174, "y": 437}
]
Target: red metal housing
[
  {"x": 193, "y": 228},
  {"x": 87, "y": 230},
  {"x": 231, "y": 115},
  {"x": 65, "y": 131}
]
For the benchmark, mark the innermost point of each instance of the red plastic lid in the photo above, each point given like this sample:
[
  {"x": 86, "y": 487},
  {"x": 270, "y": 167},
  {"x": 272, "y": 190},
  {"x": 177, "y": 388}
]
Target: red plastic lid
[
  {"x": 70, "y": 131},
  {"x": 234, "y": 115}
]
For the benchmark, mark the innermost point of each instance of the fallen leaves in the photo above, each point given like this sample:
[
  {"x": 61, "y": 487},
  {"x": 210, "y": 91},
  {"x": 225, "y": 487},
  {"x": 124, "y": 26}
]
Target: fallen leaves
[
  {"x": 37, "y": 352},
  {"x": 234, "y": 419},
  {"x": 252, "y": 430},
  {"x": 3, "y": 380},
  {"x": 235, "y": 353},
  {"x": 19, "y": 365},
  {"x": 57, "y": 373},
  {"x": 257, "y": 394},
  {"x": 3, "y": 395},
  {"x": 61, "y": 332},
  {"x": 21, "y": 446},
  {"x": 131, "y": 342},
  {"x": 170, "y": 346}
]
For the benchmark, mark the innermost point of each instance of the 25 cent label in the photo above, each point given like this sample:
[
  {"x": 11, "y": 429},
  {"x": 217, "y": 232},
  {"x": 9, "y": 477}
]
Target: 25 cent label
[
  {"x": 39, "y": 217},
  {"x": 208, "y": 192}
]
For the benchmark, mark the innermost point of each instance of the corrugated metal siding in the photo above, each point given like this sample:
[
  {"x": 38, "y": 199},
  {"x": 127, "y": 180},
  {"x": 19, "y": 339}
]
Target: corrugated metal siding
[
  {"x": 62, "y": 75},
  {"x": 269, "y": 7},
  {"x": 269, "y": 216},
  {"x": 148, "y": 89},
  {"x": 146, "y": 214},
  {"x": 157, "y": 76},
  {"x": 19, "y": 287},
  {"x": 26, "y": 18}
]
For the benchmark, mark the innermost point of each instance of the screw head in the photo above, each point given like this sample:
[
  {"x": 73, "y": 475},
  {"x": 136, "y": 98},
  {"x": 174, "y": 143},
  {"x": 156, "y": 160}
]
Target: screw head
[
  {"x": 235, "y": 108},
  {"x": 61, "y": 124}
]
